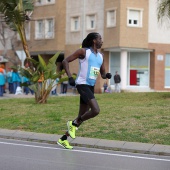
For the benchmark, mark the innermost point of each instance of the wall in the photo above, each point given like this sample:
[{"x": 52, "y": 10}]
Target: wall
[
  {"x": 158, "y": 32},
  {"x": 158, "y": 66},
  {"x": 111, "y": 34},
  {"x": 133, "y": 37},
  {"x": 77, "y": 8},
  {"x": 57, "y": 11}
]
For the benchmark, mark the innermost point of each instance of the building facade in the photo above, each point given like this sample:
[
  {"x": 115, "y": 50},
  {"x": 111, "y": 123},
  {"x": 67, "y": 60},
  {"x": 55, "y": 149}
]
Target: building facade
[
  {"x": 45, "y": 31},
  {"x": 135, "y": 44},
  {"x": 83, "y": 17}
]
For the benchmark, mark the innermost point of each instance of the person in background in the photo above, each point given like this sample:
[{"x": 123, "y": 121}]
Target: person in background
[
  {"x": 54, "y": 89},
  {"x": 27, "y": 81},
  {"x": 2, "y": 81},
  {"x": 26, "y": 88},
  {"x": 41, "y": 79},
  {"x": 91, "y": 64},
  {"x": 105, "y": 86},
  {"x": 9, "y": 80},
  {"x": 4, "y": 72},
  {"x": 61, "y": 84},
  {"x": 65, "y": 86},
  {"x": 117, "y": 81},
  {"x": 16, "y": 80}
]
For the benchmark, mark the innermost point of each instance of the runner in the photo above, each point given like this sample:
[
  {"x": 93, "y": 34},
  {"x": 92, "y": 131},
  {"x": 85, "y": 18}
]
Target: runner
[{"x": 91, "y": 63}]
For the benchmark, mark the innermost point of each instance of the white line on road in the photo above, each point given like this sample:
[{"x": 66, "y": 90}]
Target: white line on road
[{"x": 91, "y": 152}]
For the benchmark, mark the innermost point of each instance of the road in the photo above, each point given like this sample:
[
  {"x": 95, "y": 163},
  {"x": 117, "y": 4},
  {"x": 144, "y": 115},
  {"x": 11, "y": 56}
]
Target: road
[{"x": 25, "y": 155}]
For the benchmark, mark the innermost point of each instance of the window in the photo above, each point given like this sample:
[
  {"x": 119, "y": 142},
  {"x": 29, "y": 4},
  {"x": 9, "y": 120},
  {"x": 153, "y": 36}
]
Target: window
[
  {"x": 139, "y": 69},
  {"x": 91, "y": 22},
  {"x": 111, "y": 18},
  {"x": 50, "y": 1},
  {"x": 75, "y": 24},
  {"x": 44, "y": 2},
  {"x": 167, "y": 71},
  {"x": 39, "y": 27},
  {"x": 39, "y": 2},
  {"x": 44, "y": 29},
  {"x": 134, "y": 17},
  {"x": 49, "y": 28}
]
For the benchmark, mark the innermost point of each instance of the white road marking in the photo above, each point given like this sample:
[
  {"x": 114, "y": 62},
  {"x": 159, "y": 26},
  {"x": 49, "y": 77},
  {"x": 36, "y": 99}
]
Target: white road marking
[{"x": 91, "y": 152}]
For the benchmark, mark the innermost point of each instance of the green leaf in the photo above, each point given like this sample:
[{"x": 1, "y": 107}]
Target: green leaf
[
  {"x": 52, "y": 60},
  {"x": 34, "y": 87},
  {"x": 63, "y": 79},
  {"x": 28, "y": 5},
  {"x": 36, "y": 76},
  {"x": 42, "y": 63},
  {"x": 57, "y": 75},
  {"x": 46, "y": 75},
  {"x": 35, "y": 62},
  {"x": 14, "y": 12},
  {"x": 51, "y": 66},
  {"x": 25, "y": 72}
]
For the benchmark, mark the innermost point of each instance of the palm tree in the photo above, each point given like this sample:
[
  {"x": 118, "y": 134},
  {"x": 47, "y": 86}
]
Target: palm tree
[
  {"x": 45, "y": 72},
  {"x": 15, "y": 14},
  {"x": 163, "y": 10}
]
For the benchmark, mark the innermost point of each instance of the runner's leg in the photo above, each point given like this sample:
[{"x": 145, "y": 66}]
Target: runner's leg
[{"x": 94, "y": 110}]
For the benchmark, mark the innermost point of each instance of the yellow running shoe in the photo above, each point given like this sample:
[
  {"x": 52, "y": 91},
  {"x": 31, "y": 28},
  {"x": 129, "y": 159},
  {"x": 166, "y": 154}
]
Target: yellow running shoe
[
  {"x": 71, "y": 129},
  {"x": 65, "y": 144}
]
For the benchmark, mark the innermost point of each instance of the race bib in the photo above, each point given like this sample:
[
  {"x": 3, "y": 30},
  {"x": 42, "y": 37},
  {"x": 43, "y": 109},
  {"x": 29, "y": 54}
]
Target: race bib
[{"x": 94, "y": 71}]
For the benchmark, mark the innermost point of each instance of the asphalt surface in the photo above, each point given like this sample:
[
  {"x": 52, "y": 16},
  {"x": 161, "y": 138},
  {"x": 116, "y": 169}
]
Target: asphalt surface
[
  {"x": 134, "y": 147},
  {"x": 29, "y": 155}
]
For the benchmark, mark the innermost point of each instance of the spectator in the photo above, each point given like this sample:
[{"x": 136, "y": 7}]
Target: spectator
[
  {"x": 105, "y": 86},
  {"x": 26, "y": 88},
  {"x": 117, "y": 81},
  {"x": 27, "y": 82},
  {"x": 9, "y": 80},
  {"x": 41, "y": 79},
  {"x": 65, "y": 86},
  {"x": 2, "y": 66},
  {"x": 54, "y": 89},
  {"x": 16, "y": 80},
  {"x": 61, "y": 84},
  {"x": 2, "y": 81}
]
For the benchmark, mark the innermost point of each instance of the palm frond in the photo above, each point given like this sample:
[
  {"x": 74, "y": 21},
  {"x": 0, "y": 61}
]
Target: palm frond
[
  {"x": 26, "y": 72},
  {"x": 163, "y": 10},
  {"x": 15, "y": 13},
  {"x": 33, "y": 61},
  {"x": 28, "y": 5}
]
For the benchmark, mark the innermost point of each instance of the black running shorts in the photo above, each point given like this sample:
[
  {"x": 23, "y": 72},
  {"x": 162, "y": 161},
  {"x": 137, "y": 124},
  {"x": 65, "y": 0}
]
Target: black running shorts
[{"x": 86, "y": 93}]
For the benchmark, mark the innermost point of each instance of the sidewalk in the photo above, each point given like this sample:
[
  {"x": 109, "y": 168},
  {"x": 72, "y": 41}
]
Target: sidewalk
[
  {"x": 144, "y": 148},
  {"x": 8, "y": 96},
  {"x": 124, "y": 146}
]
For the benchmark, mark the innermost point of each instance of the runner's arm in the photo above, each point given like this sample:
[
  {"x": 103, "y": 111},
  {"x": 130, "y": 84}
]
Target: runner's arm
[
  {"x": 102, "y": 71},
  {"x": 80, "y": 53}
]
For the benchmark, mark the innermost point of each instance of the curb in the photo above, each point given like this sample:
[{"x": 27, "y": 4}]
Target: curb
[{"x": 134, "y": 147}]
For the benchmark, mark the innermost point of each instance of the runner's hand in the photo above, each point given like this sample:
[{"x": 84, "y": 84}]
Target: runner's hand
[
  {"x": 71, "y": 81},
  {"x": 108, "y": 75}
]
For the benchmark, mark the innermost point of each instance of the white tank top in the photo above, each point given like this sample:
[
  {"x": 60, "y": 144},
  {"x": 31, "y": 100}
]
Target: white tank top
[{"x": 89, "y": 68}]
